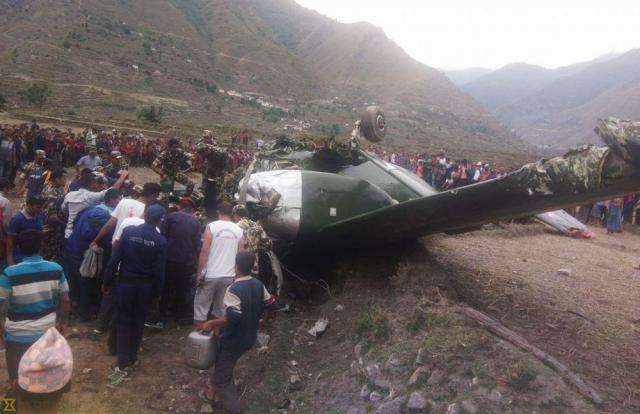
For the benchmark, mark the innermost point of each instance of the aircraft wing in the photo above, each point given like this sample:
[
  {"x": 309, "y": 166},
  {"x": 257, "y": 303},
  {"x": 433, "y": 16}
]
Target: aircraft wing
[
  {"x": 566, "y": 224},
  {"x": 583, "y": 175}
]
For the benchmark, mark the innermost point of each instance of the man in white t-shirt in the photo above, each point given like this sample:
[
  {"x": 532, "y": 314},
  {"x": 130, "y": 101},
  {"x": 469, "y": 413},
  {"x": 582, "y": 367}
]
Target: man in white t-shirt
[
  {"x": 129, "y": 208},
  {"x": 129, "y": 221},
  {"x": 216, "y": 265}
]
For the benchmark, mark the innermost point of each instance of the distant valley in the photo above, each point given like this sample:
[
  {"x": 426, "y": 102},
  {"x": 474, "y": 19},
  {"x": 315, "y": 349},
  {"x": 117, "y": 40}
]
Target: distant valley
[{"x": 557, "y": 107}]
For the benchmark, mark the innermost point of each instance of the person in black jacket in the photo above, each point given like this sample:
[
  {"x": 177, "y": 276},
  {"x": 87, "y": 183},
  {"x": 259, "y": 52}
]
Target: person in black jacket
[
  {"x": 245, "y": 300},
  {"x": 140, "y": 255}
]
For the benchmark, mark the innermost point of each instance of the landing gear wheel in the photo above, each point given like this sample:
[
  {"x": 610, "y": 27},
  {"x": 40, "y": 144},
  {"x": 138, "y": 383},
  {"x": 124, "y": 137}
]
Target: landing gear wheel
[{"x": 373, "y": 124}]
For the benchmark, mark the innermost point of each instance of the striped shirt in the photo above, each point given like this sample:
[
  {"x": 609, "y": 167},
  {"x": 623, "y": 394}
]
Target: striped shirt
[{"x": 32, "y": 289}]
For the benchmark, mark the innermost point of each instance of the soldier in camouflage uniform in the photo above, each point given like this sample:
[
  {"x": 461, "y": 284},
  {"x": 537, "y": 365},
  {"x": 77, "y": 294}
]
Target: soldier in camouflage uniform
[
  {"x": 256, "y": 242},
  {"x": 28, "y": 169},
  {"x": 170, "y": 165},
  {"x": 216, "y": 167},
  {"x": 117, "y": 164},
  {"x": 229, "y": 188},
  {"x": 53, "y": 196}
]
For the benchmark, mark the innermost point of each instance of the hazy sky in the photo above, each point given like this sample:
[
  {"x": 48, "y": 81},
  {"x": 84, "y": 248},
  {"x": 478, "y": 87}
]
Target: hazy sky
[{"x": 455, "y": 34}]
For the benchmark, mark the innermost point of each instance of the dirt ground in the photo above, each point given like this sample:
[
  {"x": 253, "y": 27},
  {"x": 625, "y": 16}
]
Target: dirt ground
[
  {"x": 398, "y": 301},
  {"x": 589, "y": 319}
]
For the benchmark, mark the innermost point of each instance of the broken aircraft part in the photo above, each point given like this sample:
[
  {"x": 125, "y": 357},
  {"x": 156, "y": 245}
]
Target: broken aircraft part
[
  {"x": 373, "y": 125},
  {"x": 566, "y": 224},
  {"x": 342, "y": 196}
]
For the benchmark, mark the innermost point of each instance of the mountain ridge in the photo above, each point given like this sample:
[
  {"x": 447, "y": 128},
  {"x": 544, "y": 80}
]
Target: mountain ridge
[
  {"x": 559, "y": 107},
  {"x": 233, "y": 62},
  {"x": 569, "y": 106}
]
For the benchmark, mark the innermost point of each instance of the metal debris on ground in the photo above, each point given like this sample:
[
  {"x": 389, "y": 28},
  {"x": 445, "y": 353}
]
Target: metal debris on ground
[{"x": 319, "y": 328}]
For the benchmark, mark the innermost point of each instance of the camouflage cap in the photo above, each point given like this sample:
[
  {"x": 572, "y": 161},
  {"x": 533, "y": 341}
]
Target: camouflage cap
[
  {"x": 40, "y": 154},
  {"x": 47, "y": 365},
  {"x": 116, "y": 154},
  {"x": 240, "y": 210}
]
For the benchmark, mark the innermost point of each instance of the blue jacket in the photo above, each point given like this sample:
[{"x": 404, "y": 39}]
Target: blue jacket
[
  {"x": 86, "y": 229},
  {"x": 141, "y": 254}
]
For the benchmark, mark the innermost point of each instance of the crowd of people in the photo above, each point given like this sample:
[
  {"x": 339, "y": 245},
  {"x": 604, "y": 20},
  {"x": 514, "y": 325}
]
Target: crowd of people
[
  {"x": 19, "y": 144},
  {"x": 65, "y": 147},
  {"x": 610, "y": 214},
  {"x": 440, "y": 171},
  {"x": 104, "y": 251}
]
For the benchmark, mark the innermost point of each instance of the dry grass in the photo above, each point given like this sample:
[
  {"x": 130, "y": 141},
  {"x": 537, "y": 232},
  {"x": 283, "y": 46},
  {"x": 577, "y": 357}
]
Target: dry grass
[{"x": 589, "y": 320}]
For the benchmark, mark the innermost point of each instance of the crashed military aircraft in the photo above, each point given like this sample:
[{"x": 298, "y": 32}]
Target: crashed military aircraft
[{"x": 342, "y": 196}]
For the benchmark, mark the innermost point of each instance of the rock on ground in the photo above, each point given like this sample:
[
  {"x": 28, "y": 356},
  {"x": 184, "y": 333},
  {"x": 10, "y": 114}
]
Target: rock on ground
[
  {"x": 453, "y": 409},
  {"x": 417, "y": 402},
  {"x": 375, "y": 396},
  {"x": 392, "y": 407},
  {"x": 206, "y": 408},
  {"x": 468, "y": 407},
  {"x": 419, "y": 375},
  {"x": 372, "y": 372},
  {"x": 364, "y": 392},
  {"x": 436, "y": 377},
  {"x": 383, "y": 384},
  {"x": 495, "y": 396}
]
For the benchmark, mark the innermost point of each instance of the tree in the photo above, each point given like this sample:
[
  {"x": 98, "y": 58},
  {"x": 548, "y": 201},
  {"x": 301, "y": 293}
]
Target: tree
[
  {"x": 274, "y": 115},
  {"x": 212, "y": 88},
  {"x": 151, "y": 114},
  {"x": 36, "y": 94}
]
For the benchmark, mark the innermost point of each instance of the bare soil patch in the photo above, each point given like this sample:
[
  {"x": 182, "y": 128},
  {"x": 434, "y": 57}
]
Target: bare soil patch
[{"x": 588, "y": 319}]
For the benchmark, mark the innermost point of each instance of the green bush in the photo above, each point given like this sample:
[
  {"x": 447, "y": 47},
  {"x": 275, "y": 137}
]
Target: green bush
[
  {"x": 3, "y": 103},
  {"x": 36, "y": 94},
  {"x": 198, "y": 83},
  {"x": 212, "y": 88},
  {"x": 521, "y": 375},
  {"x": 274, "y": 115},
  {"x": 151, "y": 114},
  {"x": 147, "y": 49},
  {"x": 373, "y": 324},
  {"x": 73, "y": 35}
]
